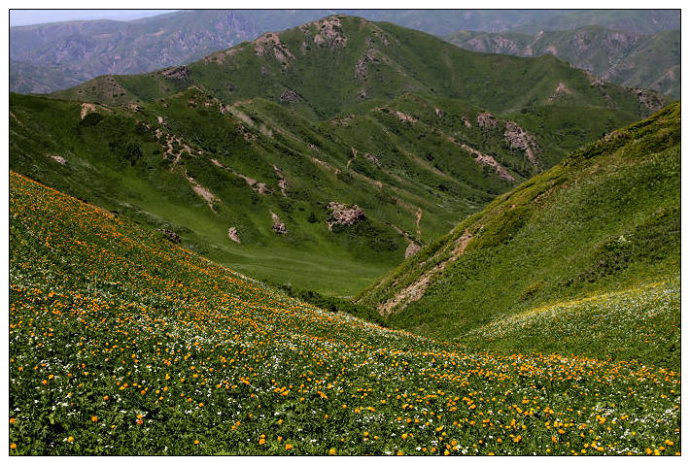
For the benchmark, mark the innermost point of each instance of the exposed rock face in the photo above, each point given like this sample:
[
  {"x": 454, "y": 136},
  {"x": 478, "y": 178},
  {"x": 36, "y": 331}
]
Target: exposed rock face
[
  {"x": 486, "y": 121},
  {"x": 404, "y": 117},
  {"x": 372, "y": 159},
  {"x": 172, "y": 236},
  {"x": 494, "y": 44},
  {"x": 233, "y": 235},
  {"x": 202, "y": 191},
  {"x": 361, "y": 67},
  {"x": 488, "y": 160},
  {"x": 278, "y": 226},
  {"x": 343, "y": 215},
  {"x": 177, "y": 74},
  {"x": 559, "y": 92},
  {"x": 87, "y": 108},
  {"x": 412, "y": 249},
  {"x": 518, "y": 138},
  {"x": 271, "y": 42},
  {"x": 58, "y": 159},
  {"x": 649, "y": 99},
  {"x": 282, "y": 181},
  {"x": 290, "y": 96},
  {"x": 329, "y": 33}
]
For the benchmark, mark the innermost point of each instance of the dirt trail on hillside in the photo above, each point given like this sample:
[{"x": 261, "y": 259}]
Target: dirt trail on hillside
[{"x": 415, "y": 291}]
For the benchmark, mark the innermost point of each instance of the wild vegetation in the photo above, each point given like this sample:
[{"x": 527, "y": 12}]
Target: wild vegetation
[
  {"x": 583, "y": 258},
  {"x": 241, "y": 153},
  {"x": 547, "y": 321},
  {"x": 123, "y": 343}
]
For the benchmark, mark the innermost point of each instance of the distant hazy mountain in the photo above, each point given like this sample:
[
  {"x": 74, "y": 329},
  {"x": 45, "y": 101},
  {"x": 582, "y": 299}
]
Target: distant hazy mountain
[
  {"x": 627, "y": 58},
  {"x": 49, "y": 57},
  {"x": 632, "y": 21}
]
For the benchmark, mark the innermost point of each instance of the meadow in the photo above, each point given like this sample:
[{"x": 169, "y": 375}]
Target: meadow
[{"x": 123, "y": 343}]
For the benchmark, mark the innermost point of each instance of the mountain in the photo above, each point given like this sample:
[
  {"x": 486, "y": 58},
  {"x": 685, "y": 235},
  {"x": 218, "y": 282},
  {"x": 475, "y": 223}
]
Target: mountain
[
  {"x": 81, "y": 50},
  {"x": 629, "y": 59},
  {"x": 121, "y": 343},
  {"x": 50, "y": 57},
  {"x": 353, "y": 143},
  {"x": 628, "y": 21},
  {"x": 663, "y": 52},
  {"x": 364, "y": 61},
  {"x": 582, "y": 258}
]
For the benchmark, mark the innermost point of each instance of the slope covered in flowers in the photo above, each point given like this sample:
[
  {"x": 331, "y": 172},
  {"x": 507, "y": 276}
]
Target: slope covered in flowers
[{"x": 123, "y": 343}]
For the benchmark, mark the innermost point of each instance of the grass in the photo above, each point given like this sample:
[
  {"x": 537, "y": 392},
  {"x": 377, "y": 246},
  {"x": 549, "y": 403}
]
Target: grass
[
  {"x": 388, "y": 138},
  {"x": 122, "y": 343},
  {"x": 603, "y": 222}
]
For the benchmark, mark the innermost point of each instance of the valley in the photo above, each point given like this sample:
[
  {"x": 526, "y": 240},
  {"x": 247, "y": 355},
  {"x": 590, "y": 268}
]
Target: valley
[
  {"x": 350, "y": 238},
  {"x": 255, "y": 131}
]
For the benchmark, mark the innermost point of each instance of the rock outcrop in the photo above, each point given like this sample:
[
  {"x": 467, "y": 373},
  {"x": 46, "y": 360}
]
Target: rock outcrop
[
  {"x": 342, "y": 214},
  {"x": 290, "y": 96},
  {"x": 518, "y": 138},
  {"x": 177, "y": 74},
  {"x": 278, "y": 226},
  {"x": 233, "y": 235},
  {"x": 172, "y": 236},
  {"x": 486, "y": 121},
  {"x": 412, "y": 248}
]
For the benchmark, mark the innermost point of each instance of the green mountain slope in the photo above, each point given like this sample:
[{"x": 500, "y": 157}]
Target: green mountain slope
[
  {"x": 343, "y": 141},
  {"x": 567, "y": 257},
  {"x": 50, "y": 57},
  {"x": 341, "y": 61},
  {"x": 200, "y": 168},
  {"x": 121, "y": 343},
  {"x": 654, "y": 64},
  {"x": 632, "y": 60}
]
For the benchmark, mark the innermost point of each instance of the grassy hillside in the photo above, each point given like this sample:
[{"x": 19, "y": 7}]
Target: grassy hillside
[
  {"x": 122, "y": 343},
  {"x": 341, "y": 60},
  {"x": 198, "y": 167},
  {"x": 263, "y": 137},
  {"x": 585, "y": 258}
]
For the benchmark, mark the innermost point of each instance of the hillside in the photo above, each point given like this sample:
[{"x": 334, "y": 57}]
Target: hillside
[
  {"x": 626, "y": 58},
  {"x": 257, "y": 162},
  {"x": 50, "y": 57},
  {"x": 200, "y": 168},
  {"x": 583, "y": 258},
  {"x": 122, "y": 343},
  {"x": 329, "y": 65}
]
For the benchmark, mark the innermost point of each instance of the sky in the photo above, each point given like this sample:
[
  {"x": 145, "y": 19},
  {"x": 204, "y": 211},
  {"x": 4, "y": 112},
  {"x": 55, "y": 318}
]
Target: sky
[{"x": 27, "y": 17}]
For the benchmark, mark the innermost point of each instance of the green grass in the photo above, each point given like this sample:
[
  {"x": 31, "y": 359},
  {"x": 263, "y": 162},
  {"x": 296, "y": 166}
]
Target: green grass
[
  {"x": 122, "y": 343},
  {"x": 605, "y": 220},
  {"x": 334, "y": 144},
  {"x": 114, "y": 159}
]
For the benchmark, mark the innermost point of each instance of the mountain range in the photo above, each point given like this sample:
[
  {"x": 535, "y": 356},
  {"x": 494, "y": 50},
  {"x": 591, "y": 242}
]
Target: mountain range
[
  {"x": 347, "y": 238},
  {"x": 626, "y": 58},
  {"x": 49, "y": 57},
  {"x": 355, "y": 141}
]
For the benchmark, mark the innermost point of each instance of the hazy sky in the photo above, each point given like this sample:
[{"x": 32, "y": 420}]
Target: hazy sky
[{"x": 26, "y": 17}]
